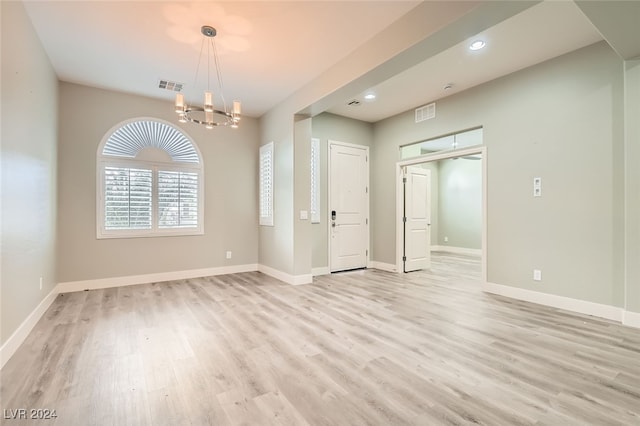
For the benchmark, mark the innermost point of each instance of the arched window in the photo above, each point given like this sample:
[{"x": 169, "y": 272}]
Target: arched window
[{"x": 150, "y": 181}]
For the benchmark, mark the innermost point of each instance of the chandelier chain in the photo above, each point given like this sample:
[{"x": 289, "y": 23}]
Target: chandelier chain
[
  {"x": 208, "y": 115},
  {"x": 219, "y": 75},
  {"x": 195, "y": 79}
]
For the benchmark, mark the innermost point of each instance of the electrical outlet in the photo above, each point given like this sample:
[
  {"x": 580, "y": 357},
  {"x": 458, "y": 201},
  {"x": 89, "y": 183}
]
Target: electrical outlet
[
  {"x": 40, "y": 283},
  {"x": 228, "y": 255},
  {"x": 537, "y": 275},
  {"x": 446, "y": 239}
]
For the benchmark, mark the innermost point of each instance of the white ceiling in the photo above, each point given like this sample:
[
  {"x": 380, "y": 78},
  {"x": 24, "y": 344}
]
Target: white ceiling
[
  {"x": 542, "y": 32},
  {"x": 270, "y": 49}
]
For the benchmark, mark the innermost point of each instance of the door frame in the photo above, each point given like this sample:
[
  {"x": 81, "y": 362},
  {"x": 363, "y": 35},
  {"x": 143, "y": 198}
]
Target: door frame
[
  {"x": 331, "y": 142},
  {"x": 443, "y": 155}
]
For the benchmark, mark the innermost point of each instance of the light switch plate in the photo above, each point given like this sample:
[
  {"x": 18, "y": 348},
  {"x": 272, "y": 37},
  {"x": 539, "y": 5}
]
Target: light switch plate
[
  {"x": 537, "y": 275},
  {"x": 304, "y": 215},
  {"x": 537, "y": 187}
]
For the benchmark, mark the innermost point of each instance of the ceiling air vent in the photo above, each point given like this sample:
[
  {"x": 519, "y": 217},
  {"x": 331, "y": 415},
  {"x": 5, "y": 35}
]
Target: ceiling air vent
[
  {"x": 353, "y": 102},
  {"x": 170, "y": 85},
  {"x": 426, "y": 112}
]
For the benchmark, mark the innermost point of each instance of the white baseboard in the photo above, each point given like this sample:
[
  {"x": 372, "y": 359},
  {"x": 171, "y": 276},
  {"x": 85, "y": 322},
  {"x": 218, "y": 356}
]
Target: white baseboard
[
  {"x": 324, "y": 270},
  {"x": 71, "y": 286},
  {"x": 457, "y": 250},
  {"x": 631, "y": 319},
  {"x": 561, "y": 302},
  {"x": 15, "y": 340},
  {"x": 287, "y": 278},
  {"x": 389, "y": 267}
]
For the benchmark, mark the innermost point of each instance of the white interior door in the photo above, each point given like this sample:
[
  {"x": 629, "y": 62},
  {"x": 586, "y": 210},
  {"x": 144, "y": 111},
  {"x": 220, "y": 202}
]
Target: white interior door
[
  {"x": 417, "y": 219},
  {"x": 348, "y": 207}
]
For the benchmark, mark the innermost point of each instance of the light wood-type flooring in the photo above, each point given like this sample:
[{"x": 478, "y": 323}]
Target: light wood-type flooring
[{"x": 364, "y": 347}]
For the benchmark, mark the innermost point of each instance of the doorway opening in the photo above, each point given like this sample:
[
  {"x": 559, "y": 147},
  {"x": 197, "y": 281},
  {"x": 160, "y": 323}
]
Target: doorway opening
[{"x": 441, "y": 205}]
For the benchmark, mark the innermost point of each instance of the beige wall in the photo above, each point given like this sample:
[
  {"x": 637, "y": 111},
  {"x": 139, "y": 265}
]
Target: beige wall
[
  {"x": 302, "y": 191},
  {"x": 560, "y": 120},
  {"x": 29, "y": 129},
  {"x": 459, "y": 203},
  {"x": 230, "y": 212},
  {"x": 408, "y": 41},
  {"x": 632, "y": 187},
  {"x": 276, "y": 242}
]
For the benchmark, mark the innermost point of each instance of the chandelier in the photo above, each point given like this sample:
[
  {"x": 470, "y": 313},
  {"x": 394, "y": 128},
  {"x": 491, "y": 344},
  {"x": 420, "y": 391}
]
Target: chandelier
[{"x": 208, "y": 115}]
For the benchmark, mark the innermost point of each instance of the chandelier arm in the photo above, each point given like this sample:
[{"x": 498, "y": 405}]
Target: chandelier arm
[{"x": 227, "y": 117}]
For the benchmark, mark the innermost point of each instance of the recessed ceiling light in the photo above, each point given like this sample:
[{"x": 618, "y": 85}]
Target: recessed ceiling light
[
  {"x": 369, "y": 96},
  {"x": 477, "y": 45}
]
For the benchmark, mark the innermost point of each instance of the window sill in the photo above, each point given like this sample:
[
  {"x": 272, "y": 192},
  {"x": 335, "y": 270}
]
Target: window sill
[{"x": 125, "y": 234}]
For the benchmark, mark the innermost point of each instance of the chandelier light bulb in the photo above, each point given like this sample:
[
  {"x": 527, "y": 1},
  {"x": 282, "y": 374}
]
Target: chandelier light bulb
[
  {"x": 235, "y": 114},
  {"x": 208, "y": 118},
  {"x": 180, "y": 103},
  {"x": 208, "y": 101}
]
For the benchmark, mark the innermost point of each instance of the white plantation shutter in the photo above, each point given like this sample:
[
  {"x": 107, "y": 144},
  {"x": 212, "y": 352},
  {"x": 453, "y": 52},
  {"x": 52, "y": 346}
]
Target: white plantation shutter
[
  {"x": 134, "y": 136},
  {"x": 143, "y": 194},
  {"x": 177, "y": 199},
  {"x": 266, "y": 184},
  {"x": 315, "y": 181},
  {"x": 127, "y": 198}
]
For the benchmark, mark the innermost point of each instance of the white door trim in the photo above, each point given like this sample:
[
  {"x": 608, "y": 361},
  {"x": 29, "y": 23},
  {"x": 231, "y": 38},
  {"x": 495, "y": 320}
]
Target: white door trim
[
  {"x": 331, "y": 142},
  {"x": 481, "y": 149}
]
